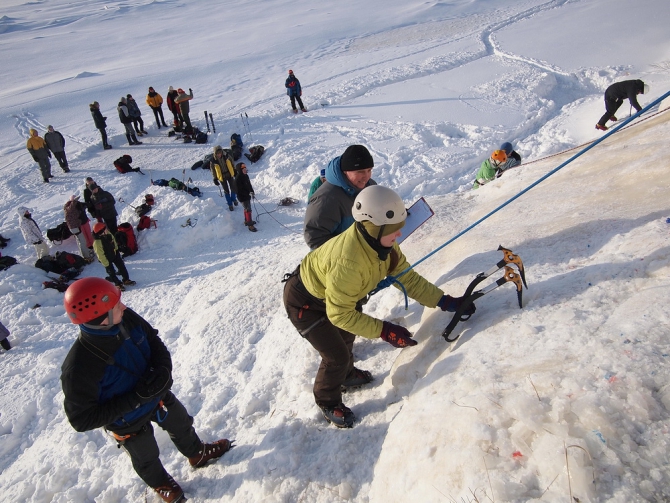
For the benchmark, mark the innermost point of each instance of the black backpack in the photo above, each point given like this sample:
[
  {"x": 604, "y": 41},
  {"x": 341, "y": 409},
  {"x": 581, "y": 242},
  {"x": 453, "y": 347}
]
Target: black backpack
[
  {"x": 58, "y": 234},
  {"x": 122, "y": 164},
  {"x": 6, "y": 262},
  {"x": 69, "y": 260},
  {"x": 255, "y": 153},
  {"x": 201, "y": 137}
]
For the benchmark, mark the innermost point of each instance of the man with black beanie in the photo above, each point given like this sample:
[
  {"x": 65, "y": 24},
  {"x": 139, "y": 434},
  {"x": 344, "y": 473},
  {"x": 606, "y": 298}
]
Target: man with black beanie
[{"x": 329, "y": 210}]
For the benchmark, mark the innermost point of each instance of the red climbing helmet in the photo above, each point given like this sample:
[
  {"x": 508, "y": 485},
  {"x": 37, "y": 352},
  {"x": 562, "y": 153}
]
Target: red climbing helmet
[{"x": 90, "y": 298}]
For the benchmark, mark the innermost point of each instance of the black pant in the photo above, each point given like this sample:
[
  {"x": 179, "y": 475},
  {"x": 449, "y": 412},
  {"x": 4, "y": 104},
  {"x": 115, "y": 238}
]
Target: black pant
[
  {"x": 136, "y": 121},
  {"x": 62, "y": 160},
  {"x": 158, "y": 114},
  {"x": 611, "y": 106},
  {"x": 103, "y": 133},
  {"x": 142, "y": 446},
  {"x": 293, "y": 99},
  {"x": 308, "y": 315},
  {"x": 121, "y": 266}
]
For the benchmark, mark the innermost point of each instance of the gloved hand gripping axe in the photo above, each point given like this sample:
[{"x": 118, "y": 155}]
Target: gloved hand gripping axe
[{"x": 470, "y": 296}]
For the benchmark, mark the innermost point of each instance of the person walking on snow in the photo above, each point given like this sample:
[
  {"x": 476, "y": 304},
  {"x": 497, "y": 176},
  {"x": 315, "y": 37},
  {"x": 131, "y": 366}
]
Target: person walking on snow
[
  {"x": 127, "y": 120},
  {"x": 182, "y": 101},
  {"x": 245, "y": 193},
  {"x": 78, "y": 223},
  {"x": 108, "y": 254},
  {"x": 56, "y": 144},
  {"x": 31, "y": 232},
  {"x": 155, "y": 101},
  {"x": 614, "y": 96},
  {"x": 323, "y": 296},
  {"x": 117, "y": 376},
  {"x": 329, "y": 210},
  {"x": 490, "y": 168},
  {"x": 294, "y": 91},
  {"x": 135, "y": 114},
  {"x": 40, "y": 152},
  {"x": 100, "y": 123},
  {"x": 223, "y": 174}
]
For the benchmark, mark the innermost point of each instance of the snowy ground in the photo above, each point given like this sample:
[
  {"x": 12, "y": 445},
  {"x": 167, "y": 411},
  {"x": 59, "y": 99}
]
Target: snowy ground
[{"x": 567, "y": 396}]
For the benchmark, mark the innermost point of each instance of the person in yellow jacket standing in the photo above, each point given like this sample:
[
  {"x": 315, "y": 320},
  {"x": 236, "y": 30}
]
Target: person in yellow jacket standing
[
  {"x": 223, "y": 174},
  {"x": 323, "y": 297},
  {"x": 40, "y": 152},
  {"x": 155, "y": 101}
]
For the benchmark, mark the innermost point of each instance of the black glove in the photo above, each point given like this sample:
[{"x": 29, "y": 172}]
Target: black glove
[
  {"x": 216, "y": 182},
  {"x": 451, "y": 304},
  {"x": 190, "y": 90},
  {"x": 396, "y": 336},
  {"x": 154, "y": 383}
]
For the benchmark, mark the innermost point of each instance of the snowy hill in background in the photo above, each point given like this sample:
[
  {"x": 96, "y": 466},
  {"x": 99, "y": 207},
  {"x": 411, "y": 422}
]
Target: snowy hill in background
[{"x": 431, "y": 88}]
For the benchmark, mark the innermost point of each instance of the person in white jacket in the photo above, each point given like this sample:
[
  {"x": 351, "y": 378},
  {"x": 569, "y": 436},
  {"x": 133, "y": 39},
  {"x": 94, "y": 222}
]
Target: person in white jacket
[{"x": 31, "y": 232}]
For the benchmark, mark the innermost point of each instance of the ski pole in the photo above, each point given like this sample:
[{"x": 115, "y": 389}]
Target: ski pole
[{"x": 249, "y": 128}]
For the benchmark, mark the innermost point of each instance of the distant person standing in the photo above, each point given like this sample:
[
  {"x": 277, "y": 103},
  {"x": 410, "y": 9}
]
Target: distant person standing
[
  {"x": 31, "y": 232},
  {"x": 40, "y": 152},
  {"x": 294, "y": 91},
  {"x": 56, "y": 144},
  {"x": 107, "y": 250},
  {"x": 104, "y": 206},
  {"x": 100, "y": 123},
  {"x": 245, "y": 193},
  {"x": 614, "y": 96},
  {"x": 127, "y": 120},
  {"x": 135, "y": 114},
  {"x": 182, "y": 101},
  {"x": 173, "y": 107},
  {"x": 78, "y": 223},
  {"x": 155, "y": 101}
]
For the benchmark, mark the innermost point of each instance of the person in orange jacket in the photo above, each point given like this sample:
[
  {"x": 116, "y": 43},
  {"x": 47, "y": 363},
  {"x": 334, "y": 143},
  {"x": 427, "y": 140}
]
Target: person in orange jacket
[{"x": 155, "y": 101}]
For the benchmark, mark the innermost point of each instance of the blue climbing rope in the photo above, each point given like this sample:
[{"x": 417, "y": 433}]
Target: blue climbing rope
[{"x": 392, "y": 279}]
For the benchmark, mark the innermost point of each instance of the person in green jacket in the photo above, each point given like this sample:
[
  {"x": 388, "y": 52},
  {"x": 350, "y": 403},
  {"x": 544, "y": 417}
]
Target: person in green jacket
[
  {"x": 323, "y": 297},
  {"x": 490, "y": 168},
  {"x": 108, "y": 254},
  {"x": 318, "y": 182}
]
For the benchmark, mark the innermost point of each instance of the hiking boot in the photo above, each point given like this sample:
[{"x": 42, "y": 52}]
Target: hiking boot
[
  {"x": 303, "y": 109},
  {"x": 144, "y": 132},
  {"x": 210, "y": 451},
  {"x": 170, "y": 492},
  {"x": 46, "y": 180},
  {"x": 129, "y": 282},
  {"x": 295, "y": 110},
  {"x": 231, "y": 207},
  {"x": 340, "y": 415},
  {"x": 106, "y": 147},
  {"x": 357, "y": 378},
  {"x": 121, "y": 287},
  {"x": 235, "y": 202},
  {"x": 66, "y": 170},
  {"x": 137, "y": 143},
  {"x": 613, "y": 118},
  {"x": 252, "y": 228},
  {"x": 601, "y": 127}
]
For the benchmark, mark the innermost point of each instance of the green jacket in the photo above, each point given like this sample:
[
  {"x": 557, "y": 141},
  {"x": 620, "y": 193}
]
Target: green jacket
[
  {"x": 315, "y": 185},
  {"x": 345, "y": 269},
  {"x": 105, "y": 248},
  {"x": 485, "y": 174}
]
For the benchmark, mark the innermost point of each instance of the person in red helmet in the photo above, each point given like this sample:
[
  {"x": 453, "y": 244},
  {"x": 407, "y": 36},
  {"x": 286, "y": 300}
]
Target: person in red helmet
[
  {"x": 294, "y": 91},
  {"x": 117, "y": 376}
]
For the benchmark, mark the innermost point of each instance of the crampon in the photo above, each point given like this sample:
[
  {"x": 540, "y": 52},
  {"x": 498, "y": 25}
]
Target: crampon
[{"x": 518, "y": 277}]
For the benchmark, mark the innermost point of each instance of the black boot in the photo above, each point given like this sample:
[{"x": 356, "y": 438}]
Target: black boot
[{"x": 5, "y": 344}]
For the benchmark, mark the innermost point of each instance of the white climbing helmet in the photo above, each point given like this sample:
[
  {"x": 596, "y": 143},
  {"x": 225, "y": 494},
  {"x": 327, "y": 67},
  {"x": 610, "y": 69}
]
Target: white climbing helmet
[{"x": 379, "y": 205}]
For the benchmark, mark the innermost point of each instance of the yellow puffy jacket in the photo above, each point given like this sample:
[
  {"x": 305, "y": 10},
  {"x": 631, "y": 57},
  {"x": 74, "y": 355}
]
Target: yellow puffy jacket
[
  {"x": 219, "y": 165},
  {"x": 154, "y": 101},
  {"x": 345, "y": 269}
]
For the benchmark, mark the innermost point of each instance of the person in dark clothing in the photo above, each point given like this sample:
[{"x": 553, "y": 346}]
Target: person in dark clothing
[
  {"x": 513, "y": 157},
  {"x": 90, "y": 207},
  {"x": 108, "y": 254},
  {"x": 614, "y": 96},
  {"x": 4, "y": 338},
  {"x": 100, "y": 123},
  {"x": 127, "y": 121},
  {"x": 329, "y": 210},
  {"x": 223, "y": 175},
  {"x": 104, "y": 206},
  {"x": 135, "y": 114},
  {"x": 245, "y": 193},
  {"x": 294, "y": 91},
  {"x": 174, "y": 107},
  {"x": 182, "y": 101},
  {"x": 117, "y": 376},
  {"x": 56, "y": 144},
  {"x": 155, "y": 101}
]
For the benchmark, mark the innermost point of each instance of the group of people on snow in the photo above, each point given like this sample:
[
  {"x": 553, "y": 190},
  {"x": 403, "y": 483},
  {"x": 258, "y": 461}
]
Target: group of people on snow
[{"x": 42, "y": 149}]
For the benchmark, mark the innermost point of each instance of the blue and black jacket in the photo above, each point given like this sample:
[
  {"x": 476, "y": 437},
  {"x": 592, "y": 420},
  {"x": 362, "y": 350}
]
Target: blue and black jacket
[{"x": 101, "y": 371}]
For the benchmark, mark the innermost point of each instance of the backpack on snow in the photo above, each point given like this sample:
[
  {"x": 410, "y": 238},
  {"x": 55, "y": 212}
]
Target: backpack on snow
[
  {"x": 125, "y": 239},
  {"x": 142, "y": 209},
  {"x": 255, "y": 153},
  {"x": 122, "y": 164},
  {"x": 144, "y": 223},
  {"x": 160, "y": 182},
  {"x": 176, "y": 184},
  {"x": 6, "y": 262},
  {"x": 58, "y": 234},
  {"x": 200, "y": 137},
  {"x": 70, "y": 260}
]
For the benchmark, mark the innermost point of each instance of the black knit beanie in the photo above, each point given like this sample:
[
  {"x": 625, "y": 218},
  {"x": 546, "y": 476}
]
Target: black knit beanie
[{"x": 356, "y": 157}]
